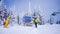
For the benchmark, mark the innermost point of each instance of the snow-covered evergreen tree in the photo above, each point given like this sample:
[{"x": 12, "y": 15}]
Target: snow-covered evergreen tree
[
  {"x": 3, "y": 13},
  {"x": 13, "y": 17}
]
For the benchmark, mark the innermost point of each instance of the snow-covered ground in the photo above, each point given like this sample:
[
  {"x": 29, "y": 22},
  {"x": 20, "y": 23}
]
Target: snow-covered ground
[{"x": 42, "y": 29}]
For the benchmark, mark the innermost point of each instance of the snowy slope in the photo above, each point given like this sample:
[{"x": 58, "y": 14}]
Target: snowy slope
[{"x": 42, "y": 29}]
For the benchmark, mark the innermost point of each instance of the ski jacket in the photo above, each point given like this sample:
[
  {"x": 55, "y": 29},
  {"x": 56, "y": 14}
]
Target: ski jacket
[{"x": 36, "y": 20}]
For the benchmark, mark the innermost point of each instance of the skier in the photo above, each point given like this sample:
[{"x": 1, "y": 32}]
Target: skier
[
  {"x": 6, "y": 22},
  {"x": 36, "y": 22}
]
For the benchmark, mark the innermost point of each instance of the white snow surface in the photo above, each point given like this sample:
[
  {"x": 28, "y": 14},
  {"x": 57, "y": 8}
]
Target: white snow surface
[{"x": 41, "y": 29}]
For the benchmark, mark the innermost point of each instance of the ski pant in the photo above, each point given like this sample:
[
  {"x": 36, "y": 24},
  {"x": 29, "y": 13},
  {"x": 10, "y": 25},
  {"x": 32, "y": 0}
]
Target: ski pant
[{"x": 36, "y": 25}]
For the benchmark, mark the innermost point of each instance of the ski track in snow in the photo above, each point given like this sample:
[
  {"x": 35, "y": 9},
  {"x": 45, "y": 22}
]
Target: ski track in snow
[{"x": 42, "y": 29}]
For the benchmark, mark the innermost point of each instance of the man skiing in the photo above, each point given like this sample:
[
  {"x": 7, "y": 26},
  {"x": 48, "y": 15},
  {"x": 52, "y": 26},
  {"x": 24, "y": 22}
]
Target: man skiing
[{"x": 36, "y": 22}]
